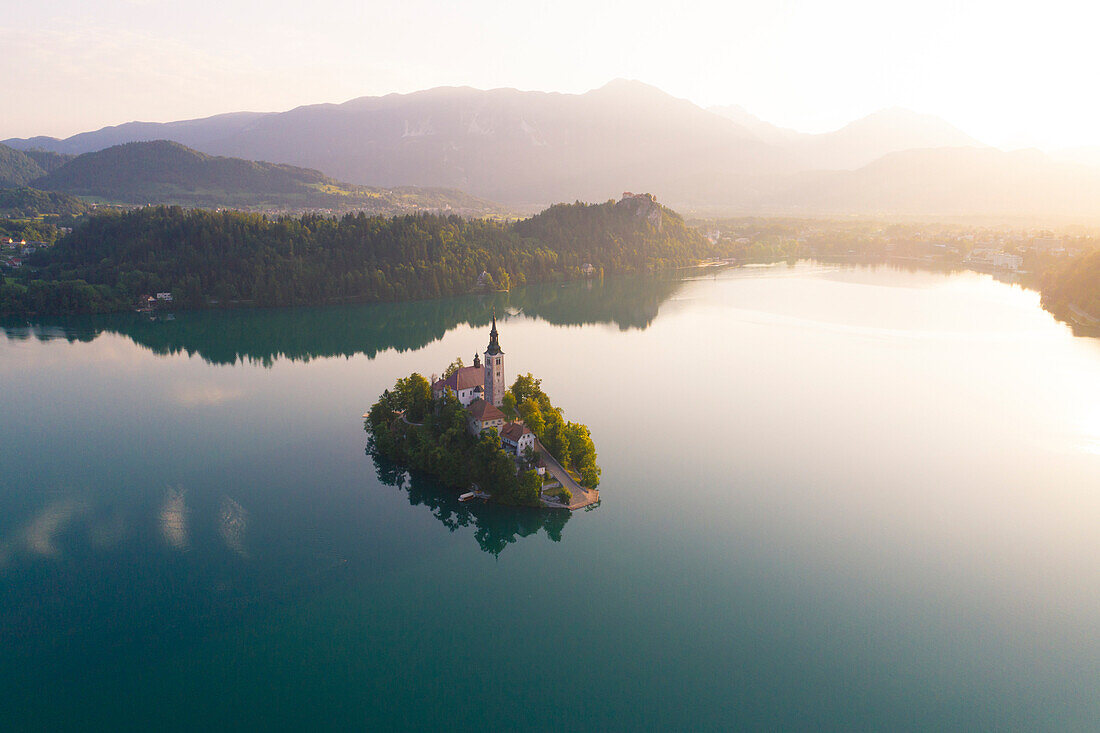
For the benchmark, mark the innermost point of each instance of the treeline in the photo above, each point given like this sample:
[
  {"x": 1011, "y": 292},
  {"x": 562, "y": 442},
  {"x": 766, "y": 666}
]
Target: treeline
[
  {"x": 569, "y": 442},
  {"x": 410, "y": 428},
  {"x": 208, "y": 258},
  {"x": 1072, "y": 291}
]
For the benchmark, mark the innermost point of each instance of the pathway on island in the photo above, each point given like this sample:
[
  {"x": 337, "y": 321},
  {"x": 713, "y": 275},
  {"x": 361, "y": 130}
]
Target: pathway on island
[{"x": 582, "y": 497}]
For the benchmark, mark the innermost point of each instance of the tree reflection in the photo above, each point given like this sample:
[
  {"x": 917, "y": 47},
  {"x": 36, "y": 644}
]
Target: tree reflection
[
  {"x": 266, "y": 335},
  {"x": 495, "y": 526}
]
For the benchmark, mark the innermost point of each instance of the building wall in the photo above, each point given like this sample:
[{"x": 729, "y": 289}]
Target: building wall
[
  {"x": 494, "y": 379},
  {"x": 476, "y": 426}
]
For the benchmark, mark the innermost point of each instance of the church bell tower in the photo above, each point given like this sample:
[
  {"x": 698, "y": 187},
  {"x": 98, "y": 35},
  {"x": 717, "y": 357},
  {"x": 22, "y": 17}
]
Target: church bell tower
[{"x": 494, "y": 369}]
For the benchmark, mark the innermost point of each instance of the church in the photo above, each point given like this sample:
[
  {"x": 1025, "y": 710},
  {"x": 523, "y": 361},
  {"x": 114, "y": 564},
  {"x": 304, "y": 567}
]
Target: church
[{"x": 480, "y": 388}]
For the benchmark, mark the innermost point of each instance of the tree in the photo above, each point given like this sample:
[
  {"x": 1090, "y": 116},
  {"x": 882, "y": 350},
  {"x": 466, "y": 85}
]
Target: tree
[
  {"x": 494, "y": 470},
  {"x": 531, "y": 414},
  {"x": 529, "y": 486},
  {"x": 453, "y": 367},
  {"x": 415, "y": 396},
  {"x": 526, "y": 387}
]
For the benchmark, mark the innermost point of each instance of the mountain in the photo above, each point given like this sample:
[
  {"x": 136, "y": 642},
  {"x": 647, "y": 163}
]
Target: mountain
[
  {"x": 17, "y": 168},
  {"x": 529, "y": 148},
  {"x": 503, "y": 144},
  {"x": 162, "y": 171},
  {"x": 517, "y": 147},
  {"x": 193, "y": 133},
  {"x": 948, "y": 181},
  {"x": 869, "y": 138},
  {"x": 766, "y": 131}
]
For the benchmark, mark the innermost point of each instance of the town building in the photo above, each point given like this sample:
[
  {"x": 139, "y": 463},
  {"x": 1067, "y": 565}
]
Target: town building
[
  {"x": 1007, "y": 261},
  {"x": 483, "y": 416},
  {"x": 515, "y": 437}
]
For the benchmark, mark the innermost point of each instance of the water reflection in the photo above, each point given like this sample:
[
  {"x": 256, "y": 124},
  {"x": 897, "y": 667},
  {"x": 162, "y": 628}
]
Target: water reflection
[
  {"x": 173, "y": 521},
  {"x": 232, "y": 523},
  {"x": 39, "y": 537},
  {"x": 264, "y": 335},
  {"x": 495, "y": 526}
]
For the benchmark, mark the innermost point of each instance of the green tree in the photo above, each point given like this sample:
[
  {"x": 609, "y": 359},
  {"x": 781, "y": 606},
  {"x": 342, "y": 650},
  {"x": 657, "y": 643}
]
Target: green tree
[{"x": 453, "y": 367}]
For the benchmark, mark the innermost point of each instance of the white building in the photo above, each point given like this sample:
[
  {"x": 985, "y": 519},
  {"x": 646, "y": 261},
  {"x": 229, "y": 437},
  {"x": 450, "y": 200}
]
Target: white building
[
  {"x": 468, "y": 384},
  {"x": 517, "y": 438},
  {"x": 1006, "y": 261}
]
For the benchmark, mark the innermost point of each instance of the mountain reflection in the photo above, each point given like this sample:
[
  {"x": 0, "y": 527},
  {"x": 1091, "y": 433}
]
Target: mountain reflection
[
  {"x": 300, "y": 334},
  {"x": 495, "y": 526}
]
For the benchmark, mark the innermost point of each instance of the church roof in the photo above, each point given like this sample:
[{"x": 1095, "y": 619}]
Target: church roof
[
  {"x": 464, "y": 378},
  {"x": 482, "y": 410},
  {"x": 494, "y": 345}
]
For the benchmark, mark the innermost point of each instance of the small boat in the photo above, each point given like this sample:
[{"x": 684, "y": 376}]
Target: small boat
[{"x": 467, "y": 496}]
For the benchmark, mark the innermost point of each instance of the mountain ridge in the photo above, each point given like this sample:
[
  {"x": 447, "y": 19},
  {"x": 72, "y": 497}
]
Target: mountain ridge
[
  {"x": 529, "y": 148},
  {"x": 167, "y": 172}
]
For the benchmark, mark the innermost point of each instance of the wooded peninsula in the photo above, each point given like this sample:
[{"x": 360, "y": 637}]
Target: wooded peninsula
[{"x": 112, "y": 261}]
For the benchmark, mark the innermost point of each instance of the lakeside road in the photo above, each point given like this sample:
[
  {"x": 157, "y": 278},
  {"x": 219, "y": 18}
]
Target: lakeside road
[{"x": 582, "y": 497}]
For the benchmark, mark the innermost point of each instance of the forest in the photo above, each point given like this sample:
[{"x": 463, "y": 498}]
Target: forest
[
  {"x": 1072, "y": 291},
  {"x": 227, "y": 259}
]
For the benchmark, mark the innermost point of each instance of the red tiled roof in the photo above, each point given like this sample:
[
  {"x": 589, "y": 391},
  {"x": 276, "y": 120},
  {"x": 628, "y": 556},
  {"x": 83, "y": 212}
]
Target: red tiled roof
[
  {"x": 464, "y": 378},
  {"x": 513, "y": 431},
  {"x": 482, "y": 410}
]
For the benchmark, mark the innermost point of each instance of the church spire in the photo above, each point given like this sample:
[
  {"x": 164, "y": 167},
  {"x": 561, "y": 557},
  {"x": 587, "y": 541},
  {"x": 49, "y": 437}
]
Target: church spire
[{"x": 494, "y": 345}]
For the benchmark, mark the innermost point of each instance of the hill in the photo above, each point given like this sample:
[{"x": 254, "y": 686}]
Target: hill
[
  {"x": 30, "y": 202},
  {"x": 207, "y": 257},
  {"x": 946, "y": 181},
  {"x": 17, "y": 168},
  {"x": 47, "y": 160},
  {"x": 167, "y": 172},
  {"x": 869, "y": 138}
]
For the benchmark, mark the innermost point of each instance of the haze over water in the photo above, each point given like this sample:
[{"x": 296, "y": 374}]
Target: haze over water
[{"x": 832, "y": 498}]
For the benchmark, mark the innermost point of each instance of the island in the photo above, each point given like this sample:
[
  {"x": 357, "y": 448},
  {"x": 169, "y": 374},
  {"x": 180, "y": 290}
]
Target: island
[{"x": 469, "y": 432}]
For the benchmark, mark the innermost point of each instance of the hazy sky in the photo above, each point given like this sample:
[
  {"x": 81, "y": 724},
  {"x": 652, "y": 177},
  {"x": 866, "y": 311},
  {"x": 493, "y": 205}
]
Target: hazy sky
[{"x": 1007, "y": 73}]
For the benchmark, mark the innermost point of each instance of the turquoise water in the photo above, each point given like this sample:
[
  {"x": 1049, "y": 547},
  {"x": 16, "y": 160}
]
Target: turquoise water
[{"x": 832, "y": 498}]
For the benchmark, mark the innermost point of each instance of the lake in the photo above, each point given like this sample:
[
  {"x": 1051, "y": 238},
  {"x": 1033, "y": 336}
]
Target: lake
[{"x": 833, "y": 497}]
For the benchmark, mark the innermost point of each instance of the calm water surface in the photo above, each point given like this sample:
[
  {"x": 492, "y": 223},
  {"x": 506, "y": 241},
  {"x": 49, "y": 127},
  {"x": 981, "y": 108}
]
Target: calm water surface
[{"x": 833, "y": 498}]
